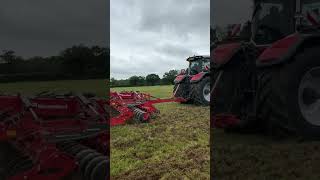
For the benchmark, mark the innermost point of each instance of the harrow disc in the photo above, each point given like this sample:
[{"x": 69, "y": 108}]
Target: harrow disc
[
  {"x": 76, "y": 149},
  {"x": 20, "y": 166},
  {"x": 84, "y": 161},
  {"x": 83, "y": 154},
  {"x": 140, "y": 115},
  {"x": 92, "y": 164},
  {"x": 99, "y": 172}
]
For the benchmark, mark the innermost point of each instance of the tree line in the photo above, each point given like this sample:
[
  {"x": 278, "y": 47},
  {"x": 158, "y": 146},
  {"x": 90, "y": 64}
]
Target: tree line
[
  {"x": 76, "y": 62},
  {"x": 149, "y": 80}
]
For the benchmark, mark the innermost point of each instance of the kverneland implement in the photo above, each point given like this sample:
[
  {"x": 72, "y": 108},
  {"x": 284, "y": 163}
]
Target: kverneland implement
[
  {"x": 52, "y": 137},
  {"x": 137, "y": 106}
]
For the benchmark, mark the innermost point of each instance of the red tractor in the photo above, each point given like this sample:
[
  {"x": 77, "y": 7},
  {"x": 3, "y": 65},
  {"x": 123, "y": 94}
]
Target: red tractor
[
  {"x": 193, "y": 84},
  {"x": 270, "y": 81}
]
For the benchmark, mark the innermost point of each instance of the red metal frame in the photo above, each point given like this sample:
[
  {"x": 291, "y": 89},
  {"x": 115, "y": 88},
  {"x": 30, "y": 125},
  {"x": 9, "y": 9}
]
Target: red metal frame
[
  {"x": 179, "y": 78},
  {"x": 33, "y": 124},
  {"x": 279, "y": 49},
  {"x": 125, "y": 102}
]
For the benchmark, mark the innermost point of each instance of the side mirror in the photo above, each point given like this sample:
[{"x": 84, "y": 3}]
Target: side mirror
[{"x": 182, "y": 71}]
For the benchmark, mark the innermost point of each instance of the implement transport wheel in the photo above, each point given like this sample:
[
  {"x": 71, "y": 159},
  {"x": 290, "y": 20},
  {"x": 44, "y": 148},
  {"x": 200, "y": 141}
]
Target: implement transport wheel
[
  {"x": 289, "y": 96},
  {"x": 201, "y": 92}
]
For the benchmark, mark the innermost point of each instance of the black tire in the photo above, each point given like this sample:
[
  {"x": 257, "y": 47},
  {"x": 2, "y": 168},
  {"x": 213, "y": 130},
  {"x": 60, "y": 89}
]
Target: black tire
[
  {"x": 183, "y": 91},
  {"x": 197, "y": 93},
  {"x": 278, "y": 107},
  {"x": 235, "y": 92}
]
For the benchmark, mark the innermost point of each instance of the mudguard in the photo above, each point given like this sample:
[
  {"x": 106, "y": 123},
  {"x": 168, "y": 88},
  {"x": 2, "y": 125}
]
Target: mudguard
[
  {"x": 179, "y": 78},
  {"x": 198, "y": 77},
  {"x": 283, "y": 50},
  {"x": 224, "y": 52}
]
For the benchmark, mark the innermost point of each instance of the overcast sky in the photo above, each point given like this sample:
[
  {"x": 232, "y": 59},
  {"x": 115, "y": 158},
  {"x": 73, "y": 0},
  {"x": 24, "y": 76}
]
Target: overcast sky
[
  {"x": 224, "y": 12},
  {"x": 153, "y": 36},
  {"x": 45, "y": 27}
]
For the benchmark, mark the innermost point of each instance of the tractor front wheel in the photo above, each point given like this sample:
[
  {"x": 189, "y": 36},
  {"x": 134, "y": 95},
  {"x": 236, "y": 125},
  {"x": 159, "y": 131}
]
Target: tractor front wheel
[
  {"x": 182, "y": 90},
  {"x": 201, "y": 92}
]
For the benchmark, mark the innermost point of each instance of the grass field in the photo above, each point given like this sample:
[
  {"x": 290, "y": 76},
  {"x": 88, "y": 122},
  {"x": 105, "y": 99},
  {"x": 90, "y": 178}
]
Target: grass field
[
  {"x": 175, "y": 145},
  {"x": 157, "y": 91},
  {"x": 252, "y": 156},
  {"x": 96, "y": 86}
]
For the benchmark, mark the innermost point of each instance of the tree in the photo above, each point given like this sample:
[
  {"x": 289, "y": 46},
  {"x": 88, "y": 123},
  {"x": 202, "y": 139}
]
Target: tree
[
  {"x": 10, "y": 60},
  {"x": 141, "y": 81},
  {"x": 152, "y": 79},
  {"x": 77, "y": 62},
  {"x": 169, "y": 77},
  {"x": 113, "y": 82},
  {"x": 8, "y": 56},
  {"x": 133, "y": 80},
  {"x": 76, "y": 59}
]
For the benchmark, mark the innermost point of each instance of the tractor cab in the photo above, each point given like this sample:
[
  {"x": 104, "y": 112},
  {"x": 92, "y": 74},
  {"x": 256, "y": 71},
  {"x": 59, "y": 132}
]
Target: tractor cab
[
  {"x": 198, "y": 64},
  {"x": 272, "y": 20}
]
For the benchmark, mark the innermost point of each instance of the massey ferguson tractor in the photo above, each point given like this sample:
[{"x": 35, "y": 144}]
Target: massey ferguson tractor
[
  {"x": 270, "y": 82},
  {"x": 193, "y": 84}
]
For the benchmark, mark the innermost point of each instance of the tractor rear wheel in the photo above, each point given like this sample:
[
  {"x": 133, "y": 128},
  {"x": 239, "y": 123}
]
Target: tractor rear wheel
[
  {"x": 200, "y": 92},
  {"x": 288, "y": 100}
]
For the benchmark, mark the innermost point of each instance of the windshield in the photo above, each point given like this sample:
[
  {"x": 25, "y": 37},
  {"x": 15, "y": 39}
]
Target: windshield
[
  {"x": 311, "y": 12},
  {"x": 198, "y": 66},
  {"x": 230, "y": 16},
  {"x": 272, "y": 21}
]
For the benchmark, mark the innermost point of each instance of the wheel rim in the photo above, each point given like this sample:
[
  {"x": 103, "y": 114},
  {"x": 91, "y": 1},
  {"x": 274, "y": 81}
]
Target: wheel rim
[
  {"x": 309, "y": 96},
  {"x": 206, "y": 92}
]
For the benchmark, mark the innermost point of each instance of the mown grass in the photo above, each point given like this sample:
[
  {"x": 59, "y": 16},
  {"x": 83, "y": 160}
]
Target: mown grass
[
  {"x": 157, "y": 91},
  {"x": 252, "y": 156},
  {"x": 175, "y": 145},
  {"x": 98, "y": 87}
]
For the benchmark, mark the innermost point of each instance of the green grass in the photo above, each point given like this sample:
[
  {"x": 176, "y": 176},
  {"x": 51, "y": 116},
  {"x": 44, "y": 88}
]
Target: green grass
[
  {"x": 157, "y": 91},
  {"x": 174, "y": 145},
  {"x": 96, "y": 86},
  {"x": 252, "y": 156}
]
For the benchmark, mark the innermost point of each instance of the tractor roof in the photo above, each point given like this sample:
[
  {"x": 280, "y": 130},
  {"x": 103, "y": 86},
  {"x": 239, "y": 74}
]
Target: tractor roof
[{"x": 194, "y": 58}]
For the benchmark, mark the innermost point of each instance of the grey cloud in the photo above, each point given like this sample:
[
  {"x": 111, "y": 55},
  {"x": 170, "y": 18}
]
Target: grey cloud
[
  {"x": 175, "y": 16},
  {"x": 47, "y": 27},
  {"x": 225, "y": 12},
  {"x": 150, "y": 36},
  {"x": 174, "y": 50}
]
